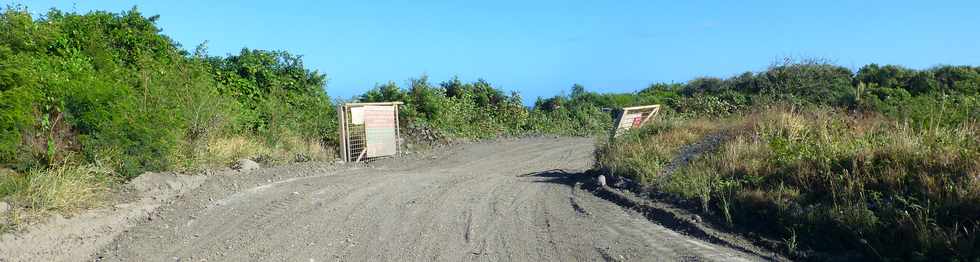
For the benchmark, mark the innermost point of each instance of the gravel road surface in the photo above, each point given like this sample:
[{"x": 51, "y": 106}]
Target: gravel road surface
[{"x": 504, "y": 201}]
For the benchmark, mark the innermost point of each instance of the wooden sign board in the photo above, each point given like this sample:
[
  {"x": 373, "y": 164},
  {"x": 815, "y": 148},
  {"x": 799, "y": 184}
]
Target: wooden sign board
[
  {"x": 379, "y": 129},
  {"x": 633, "y": 118},
  {"x": 368, "y": 130}
]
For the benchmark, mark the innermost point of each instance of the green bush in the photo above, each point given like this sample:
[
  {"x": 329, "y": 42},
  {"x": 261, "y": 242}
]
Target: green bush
[
  {"x": 477, "y": 110},
  {"x": 279, "y": 96},
  {"x": 110, "y": 85},
  {"x": 89, "y": 90}
]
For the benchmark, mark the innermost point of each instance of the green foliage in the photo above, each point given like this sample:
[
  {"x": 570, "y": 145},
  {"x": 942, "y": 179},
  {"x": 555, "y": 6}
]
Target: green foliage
[
  {"x": 462, "y": 110},
  {"x": 941, "y": 96},
  {"x": 107, "y": 85},
  {"x": 89, "y": 71},
  {"x": 806, "y": 82},
  {"x": 279, "y": 96},
  {"x": 478, "y": 110},
  {"x": 725, "y": 103}
]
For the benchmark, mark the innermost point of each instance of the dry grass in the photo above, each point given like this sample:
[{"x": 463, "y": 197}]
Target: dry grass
[
  {"x": 63, "y": 189},
  {"x": 642, "y": 154},
  {"x": 828, "y": 180},
  {"x": 225, "y": 150},
  {"x": 70, "y": 187}
]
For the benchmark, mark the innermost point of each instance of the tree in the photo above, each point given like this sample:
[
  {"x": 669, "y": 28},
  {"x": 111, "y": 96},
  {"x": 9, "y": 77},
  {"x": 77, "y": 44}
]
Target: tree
[
  {"x": 453, "y": 87},
  {"x": 577, "y": 90}
]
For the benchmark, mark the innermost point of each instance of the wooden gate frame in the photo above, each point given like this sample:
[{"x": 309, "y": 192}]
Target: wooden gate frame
[
  {"x": 347, "y": 144},
  {"x": 646, "y": 113}
]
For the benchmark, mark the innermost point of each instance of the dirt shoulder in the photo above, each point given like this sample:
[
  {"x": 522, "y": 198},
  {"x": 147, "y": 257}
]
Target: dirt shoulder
[{"x": 68, "y": 239}]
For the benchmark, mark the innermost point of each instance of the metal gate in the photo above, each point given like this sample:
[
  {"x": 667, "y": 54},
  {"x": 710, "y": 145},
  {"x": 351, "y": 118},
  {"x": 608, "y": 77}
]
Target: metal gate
[{"x": 368, "y": 130}]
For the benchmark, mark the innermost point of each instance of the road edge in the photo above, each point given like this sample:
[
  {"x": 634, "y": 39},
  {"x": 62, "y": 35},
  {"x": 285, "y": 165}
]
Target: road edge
[
  {"x": 679, "y": 219},
  {"x": 59, "y": 238}
]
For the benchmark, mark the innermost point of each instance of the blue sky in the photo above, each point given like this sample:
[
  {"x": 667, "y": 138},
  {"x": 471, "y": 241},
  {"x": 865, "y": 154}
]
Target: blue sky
[{"x": 540, "y": 48}]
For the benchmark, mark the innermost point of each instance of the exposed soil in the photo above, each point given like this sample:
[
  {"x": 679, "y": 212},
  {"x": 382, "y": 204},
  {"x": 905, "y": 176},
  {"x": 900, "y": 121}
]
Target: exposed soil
[
  {"x": 78, "y": 237},
  {"x": 513, "y": 200}
]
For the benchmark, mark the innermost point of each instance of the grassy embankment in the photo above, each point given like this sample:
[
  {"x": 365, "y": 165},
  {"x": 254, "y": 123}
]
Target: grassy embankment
[{"x": 823, "y": 179}]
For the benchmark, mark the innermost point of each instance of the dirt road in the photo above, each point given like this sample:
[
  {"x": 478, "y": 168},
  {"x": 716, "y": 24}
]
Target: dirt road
[{"x": 504, "y": 201}]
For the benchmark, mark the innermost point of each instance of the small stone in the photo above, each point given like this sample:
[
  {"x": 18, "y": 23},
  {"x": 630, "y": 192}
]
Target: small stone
[
  {"x": 696, "y": 218},
  {"x": 602, "y": 180},
  {"x": 4, "y": 207}
]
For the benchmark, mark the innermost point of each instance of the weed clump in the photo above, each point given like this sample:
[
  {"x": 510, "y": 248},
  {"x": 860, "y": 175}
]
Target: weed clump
[{"x": 65, "y": 188}]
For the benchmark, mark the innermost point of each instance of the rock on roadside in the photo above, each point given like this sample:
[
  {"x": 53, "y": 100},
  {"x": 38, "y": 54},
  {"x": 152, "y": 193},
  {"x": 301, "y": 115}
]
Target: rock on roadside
[
  {"x": 246, "y": 165},
  {"x": 4, "y": 207}
]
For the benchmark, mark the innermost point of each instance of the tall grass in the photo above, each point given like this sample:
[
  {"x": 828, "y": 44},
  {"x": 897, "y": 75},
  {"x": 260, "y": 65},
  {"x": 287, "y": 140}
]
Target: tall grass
[
  {"x": 68, "y": 187},
  {"x": 830, "y": 181},
  {"x": 224, "y": 150},
  {"x": 644, "y": 153},
  {"x": 64, "y": 189}
]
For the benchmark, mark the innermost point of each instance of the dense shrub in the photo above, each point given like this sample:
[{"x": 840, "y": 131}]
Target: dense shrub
[
  {"x": 478, "y": 110},
  {"x": 280, "y": 97},
  {"x": 470, "y": 110},
  {"x": 939, "y": 96},
  {"x": 94, "y": 84},
  {"x": 110, "y": 86}
]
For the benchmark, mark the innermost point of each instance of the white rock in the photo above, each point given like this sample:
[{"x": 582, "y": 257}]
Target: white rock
[
  {"x": 602, "y": 180},
  {"x": 4, "y": 207},
  {"x": 246, "y": 165}
]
